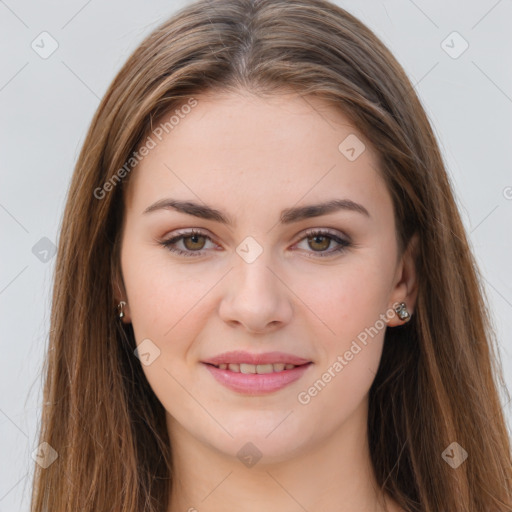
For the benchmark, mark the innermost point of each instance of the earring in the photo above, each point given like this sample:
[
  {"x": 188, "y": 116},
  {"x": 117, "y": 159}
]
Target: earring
[
  {"x": 120, "y": 308},
  {"x": 401, "y": 311}
]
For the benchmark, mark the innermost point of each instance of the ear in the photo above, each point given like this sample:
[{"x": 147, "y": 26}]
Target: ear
[
  {"x": 120, "y": 294},
  {"x": 405, "y": 288}
]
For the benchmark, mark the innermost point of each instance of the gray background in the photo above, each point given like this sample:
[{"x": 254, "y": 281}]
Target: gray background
[{"x": 46, "y": 105}]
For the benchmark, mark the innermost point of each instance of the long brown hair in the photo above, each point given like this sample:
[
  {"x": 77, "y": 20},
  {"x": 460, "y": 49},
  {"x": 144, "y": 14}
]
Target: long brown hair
[{"x": 438, "y": 379}]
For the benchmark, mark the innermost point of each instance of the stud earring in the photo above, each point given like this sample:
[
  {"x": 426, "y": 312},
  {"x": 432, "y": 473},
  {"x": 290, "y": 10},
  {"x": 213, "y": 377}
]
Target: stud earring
[
  {"x": 401, "y": 311},
  {"x": 120, "y": 307}
]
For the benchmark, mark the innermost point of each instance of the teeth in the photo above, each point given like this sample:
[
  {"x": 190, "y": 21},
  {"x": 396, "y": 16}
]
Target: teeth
[
  {"x": 247, "y": 368},
  {"x": 256, "y": 368},
  {"x": 264, "y": 368}
]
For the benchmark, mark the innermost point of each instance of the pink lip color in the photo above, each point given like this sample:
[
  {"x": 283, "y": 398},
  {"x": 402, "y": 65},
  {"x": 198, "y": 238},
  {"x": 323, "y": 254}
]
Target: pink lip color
[{"x": 257, "y": 383}]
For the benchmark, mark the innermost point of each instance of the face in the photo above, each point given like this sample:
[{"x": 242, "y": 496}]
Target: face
[{"x": 223, "y": 252}]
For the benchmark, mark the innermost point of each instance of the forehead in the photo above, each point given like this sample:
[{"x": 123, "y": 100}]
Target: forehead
[{"x": 251, "y": 151}]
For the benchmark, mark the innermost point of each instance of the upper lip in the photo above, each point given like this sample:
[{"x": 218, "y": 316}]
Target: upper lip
[{"x": 239, "y": 356}]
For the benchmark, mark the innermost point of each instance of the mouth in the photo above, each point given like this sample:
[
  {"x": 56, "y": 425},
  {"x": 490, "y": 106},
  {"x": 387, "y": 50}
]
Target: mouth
[{"x": 256, "y": 379}]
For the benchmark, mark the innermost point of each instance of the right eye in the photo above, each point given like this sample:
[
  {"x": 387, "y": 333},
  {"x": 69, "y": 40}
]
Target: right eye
[{"x": 193, "y": 242}]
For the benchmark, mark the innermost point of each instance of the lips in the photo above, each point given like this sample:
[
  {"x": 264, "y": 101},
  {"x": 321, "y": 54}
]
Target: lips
[{"x": 255, "y": 374}]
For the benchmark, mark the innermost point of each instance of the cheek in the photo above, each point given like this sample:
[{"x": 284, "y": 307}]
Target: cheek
[
  {"x": 170, "y": 306},
  {"x": 158, "y": 293},
  {"x": 345, "y": 299},
  {"x": 351, "y": 305},
  {"x": 349, "y": 302}
]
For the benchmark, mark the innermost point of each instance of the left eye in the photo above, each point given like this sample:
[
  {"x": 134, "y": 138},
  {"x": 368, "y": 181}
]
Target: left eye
[
  {"x": 195, "y": 241},
  {"x": 321, "y": 240}
]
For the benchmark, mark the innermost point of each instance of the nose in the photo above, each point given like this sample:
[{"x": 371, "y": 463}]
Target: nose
[{"x": 255, "y": 297}]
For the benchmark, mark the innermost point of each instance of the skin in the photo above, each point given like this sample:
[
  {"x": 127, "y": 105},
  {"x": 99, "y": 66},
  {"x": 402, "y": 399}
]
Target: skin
[{"x": 251, "y": 158}]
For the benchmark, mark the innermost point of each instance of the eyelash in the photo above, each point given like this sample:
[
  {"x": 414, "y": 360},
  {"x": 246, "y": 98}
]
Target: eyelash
[{"x": 344, "y": 244}]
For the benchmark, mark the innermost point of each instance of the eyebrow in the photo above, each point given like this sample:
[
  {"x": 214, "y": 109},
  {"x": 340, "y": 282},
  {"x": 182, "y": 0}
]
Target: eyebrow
[{"x": 288, "y": 215}]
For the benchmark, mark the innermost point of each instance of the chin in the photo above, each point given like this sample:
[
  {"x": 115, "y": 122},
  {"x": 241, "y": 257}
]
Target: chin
[{"x": 270, "y": 442}]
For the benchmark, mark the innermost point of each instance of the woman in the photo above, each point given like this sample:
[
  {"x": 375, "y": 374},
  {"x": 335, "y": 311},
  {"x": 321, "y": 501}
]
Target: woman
[{"x": 264, "y": 295}]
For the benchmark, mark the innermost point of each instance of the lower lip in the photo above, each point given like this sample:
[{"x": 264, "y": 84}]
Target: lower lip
[{"x": 250, "y": 383}]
